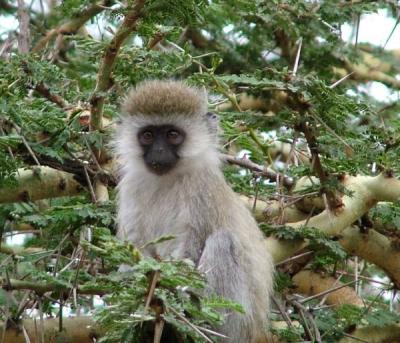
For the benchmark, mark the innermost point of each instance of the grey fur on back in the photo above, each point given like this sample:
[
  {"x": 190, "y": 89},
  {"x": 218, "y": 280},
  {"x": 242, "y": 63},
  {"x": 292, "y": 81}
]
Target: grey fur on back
[{"x": 194, "y": 203}]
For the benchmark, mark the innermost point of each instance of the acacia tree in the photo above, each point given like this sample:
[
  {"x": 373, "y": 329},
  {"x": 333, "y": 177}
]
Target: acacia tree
[{"x": 319, "y": 168}]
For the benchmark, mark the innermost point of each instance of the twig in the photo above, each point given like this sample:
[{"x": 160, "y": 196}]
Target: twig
[
  {"x": 60, "y": 316},
  {"x": 33, "y": 155},
  {"x": 8, "y": 148},
  {"x": 71, "y": 26},
  {"x": 45, "y": 91},
  {"x": 211, "y": 332},
  {"x": 282, "y": 311},
  {"x": 23, "y": 303},
  {"x": 291, "y": 259},
  {"x": 258, "y": 142},
  {"x": 152, "y": 288},
  {"x": 81, "y": 261},
  {"x": 157, "y": 38},
  {"x": 316, "y": 165},
  {"x": 99, "y": 168},
  {"x": 391, "y": 33},
  {"x": 357, "y": 29},
  {"x": 42, "y": 288},
  {"x": 355, "y": 338},
  {"x": 331, "y": 290},
  {"x": 59, "y": 248},
  {"x": 192, "y": 59},
  {"x": 366, "y": 278},
  {"x": 332, "y": 132},
  {"x": 267, "y": 173},
  {"x": 303, "y": 313},
  {"x": 191, "y": 325},
  {"x": 356, "y": 275},
  {"x": 301, "y": 310},
  {"x": 6, "y": 47},
  {"x": 322, "y": 302},
  {"x": 89, "y": 183},
  {"x": 370, "y": 74}
]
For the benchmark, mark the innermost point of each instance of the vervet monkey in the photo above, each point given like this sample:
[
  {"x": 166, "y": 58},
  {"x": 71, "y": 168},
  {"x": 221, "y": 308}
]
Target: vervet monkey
[{"x": 171, "y": 184}]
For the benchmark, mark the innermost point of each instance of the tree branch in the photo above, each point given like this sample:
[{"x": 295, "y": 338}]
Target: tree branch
[
  {"x": 45, "y": 91},
  {"x": 332, "y": 199},
  {"x": 375, "y": 248},
  {"x": 362, "y": 72},
  {"x": 80, "y": 329},
  {"x": 374, "y": 334},
  {"x": 71, "y": 26},
  {"x": 267, "y": 173},
  {"x": 107, "y": 64},
  {"x": 39, "y": 183},
  {"x": 42, "y": 288},
  {"x": 104, "y": 83},
  {"x": 366, "y": 191}
]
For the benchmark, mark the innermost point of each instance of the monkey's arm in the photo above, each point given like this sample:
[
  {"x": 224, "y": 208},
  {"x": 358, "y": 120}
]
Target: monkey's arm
[{"x": 224, "y": 265}]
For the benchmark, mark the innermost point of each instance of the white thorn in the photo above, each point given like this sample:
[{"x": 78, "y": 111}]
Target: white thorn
[
  {"x": 296, "y": 62},
  {"x": 341, "y": 80}
]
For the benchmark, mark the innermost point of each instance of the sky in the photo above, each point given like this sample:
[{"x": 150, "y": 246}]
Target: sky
[{"x": 375, "y": 28}]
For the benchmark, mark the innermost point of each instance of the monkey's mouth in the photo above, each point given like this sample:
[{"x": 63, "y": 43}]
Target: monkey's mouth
[{"x": 160, "y": 168}]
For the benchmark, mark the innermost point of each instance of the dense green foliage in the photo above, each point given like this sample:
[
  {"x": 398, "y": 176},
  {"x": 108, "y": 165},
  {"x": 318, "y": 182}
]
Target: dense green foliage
[{"x": 237, "y": 49}]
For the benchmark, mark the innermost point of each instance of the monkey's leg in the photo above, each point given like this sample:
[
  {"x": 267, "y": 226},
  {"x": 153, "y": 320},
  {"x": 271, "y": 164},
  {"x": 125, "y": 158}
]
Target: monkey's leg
[{"x": 223, "y": 261}]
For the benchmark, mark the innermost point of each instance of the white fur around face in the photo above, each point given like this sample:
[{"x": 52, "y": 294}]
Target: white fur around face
[
  {"x": 198, "y": 152},
  {"x": 199, "y": 143}
]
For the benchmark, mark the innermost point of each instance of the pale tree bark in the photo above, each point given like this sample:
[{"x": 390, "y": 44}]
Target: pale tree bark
[
  {"x": 385, "y": 334},
  {"x": 366, "y": 191},
  {"x": 373, "y": 247},
  {"x": 39, "y": 183},
  {"x": 75, "y": 329},
  {"x": 44, "y": 182},
  {"x": 310, "y": 283}
]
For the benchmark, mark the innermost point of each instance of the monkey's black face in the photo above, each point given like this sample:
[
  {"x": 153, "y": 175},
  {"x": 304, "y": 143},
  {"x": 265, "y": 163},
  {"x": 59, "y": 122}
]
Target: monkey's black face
[{"x": 160, "y": 145}]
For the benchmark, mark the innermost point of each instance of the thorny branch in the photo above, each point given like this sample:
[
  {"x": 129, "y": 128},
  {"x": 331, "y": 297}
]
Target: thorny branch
[
  {"x": 268, "y": 173},
  {"x": 333, "y": 200},
  {"x": 45, "y": 91},
  {"x": 71, "y": 26},
  {"x": 42, "y": 288},
  {"x": 104, "y": 81}
]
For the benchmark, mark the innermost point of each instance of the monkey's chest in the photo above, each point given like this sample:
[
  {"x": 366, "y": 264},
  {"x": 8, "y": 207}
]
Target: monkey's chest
[
  {"x": 172, "y": 236},
  {"x": 176, "y": 223}
]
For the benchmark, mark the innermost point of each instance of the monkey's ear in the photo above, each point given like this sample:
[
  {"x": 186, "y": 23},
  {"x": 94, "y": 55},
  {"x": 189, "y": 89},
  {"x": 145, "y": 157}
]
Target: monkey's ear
[
  {"x": 211, "y": 116},
  {"x": 212, "y": 123}
]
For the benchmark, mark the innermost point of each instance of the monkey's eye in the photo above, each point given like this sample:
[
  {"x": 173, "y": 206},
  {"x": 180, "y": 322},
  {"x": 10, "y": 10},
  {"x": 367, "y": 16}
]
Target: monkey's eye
[
  {"x": 146, "y": 137},
  {"x": 174, "y": 137}
]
